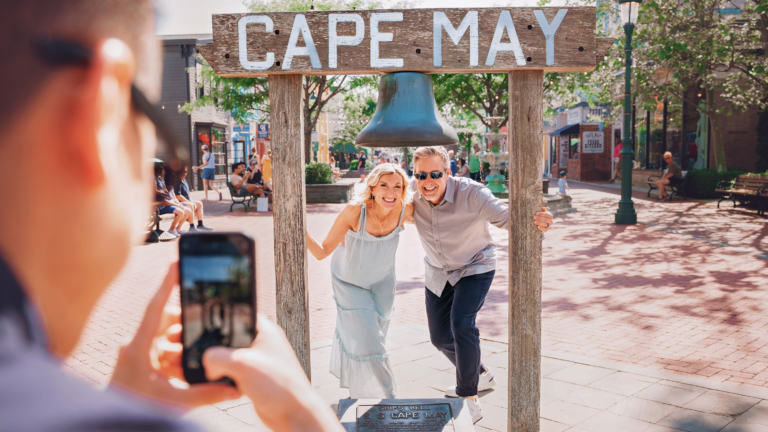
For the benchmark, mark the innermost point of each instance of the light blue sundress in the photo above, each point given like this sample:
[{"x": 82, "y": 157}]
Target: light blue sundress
[{"x": 363, "y": 276}]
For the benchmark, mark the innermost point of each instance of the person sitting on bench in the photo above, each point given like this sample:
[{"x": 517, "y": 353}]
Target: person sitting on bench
[
  {"x": 180, "y": 187},
  {"x": 240, "y": 178},
  {"x": 256, "y": 176},
  {"x": 673, "y": 176},
  {"x": 170, "y": 204}
]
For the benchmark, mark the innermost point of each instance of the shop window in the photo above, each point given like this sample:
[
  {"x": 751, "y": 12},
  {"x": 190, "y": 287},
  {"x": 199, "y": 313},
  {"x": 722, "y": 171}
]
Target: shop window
[
  {"x": 218, "y": 148},
  {"x": 656, "y": 146},
  {"x": 696, "y": 129},
  {"x": 573, "y": 148},
  {"x": 674, "y": 129}
]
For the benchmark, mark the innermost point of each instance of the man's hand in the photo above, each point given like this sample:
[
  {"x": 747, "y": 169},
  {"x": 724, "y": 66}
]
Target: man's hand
[
  {"x": 544, "y": 220},
  {"x": 147, "y": 363},
  {"x": 270, "y": 375}
]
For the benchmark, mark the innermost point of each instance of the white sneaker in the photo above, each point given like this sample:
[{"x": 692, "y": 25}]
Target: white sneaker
[
  {"x": 175, "y": 232},
  {"x": 486, "y": 382},
  {"x": 171, "y": 233},
  {"x": 475, "y": 410}
]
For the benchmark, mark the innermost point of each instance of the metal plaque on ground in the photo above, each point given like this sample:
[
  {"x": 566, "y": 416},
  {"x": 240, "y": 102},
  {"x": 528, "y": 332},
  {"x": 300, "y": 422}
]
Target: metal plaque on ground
[
  {"x": 419, "y": 417},
  {"x": 407, "y": 415}
]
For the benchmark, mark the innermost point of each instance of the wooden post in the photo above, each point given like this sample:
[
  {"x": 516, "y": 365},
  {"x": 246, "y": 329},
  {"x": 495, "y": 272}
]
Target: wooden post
[
  {"x": 525, "y": 155},
  {"x": 290, "y": 216}
]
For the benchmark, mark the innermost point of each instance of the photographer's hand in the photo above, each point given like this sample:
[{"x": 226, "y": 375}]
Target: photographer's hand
[
  {"x": 270, "y": 374},
  {"x": 146, "y": 364}
]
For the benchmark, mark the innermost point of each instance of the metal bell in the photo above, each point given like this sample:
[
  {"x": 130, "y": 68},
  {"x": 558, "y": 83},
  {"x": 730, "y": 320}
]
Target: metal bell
[{"x": 406, "y": 115}]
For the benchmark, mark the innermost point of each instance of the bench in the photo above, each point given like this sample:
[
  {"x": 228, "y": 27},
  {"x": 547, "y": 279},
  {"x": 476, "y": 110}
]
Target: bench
[
  {"x": 673, "y": 190},
  {"x": 746, "y": 190},
  {"x": 245, "y": 199},
  {"x": 155, "y": 234}
]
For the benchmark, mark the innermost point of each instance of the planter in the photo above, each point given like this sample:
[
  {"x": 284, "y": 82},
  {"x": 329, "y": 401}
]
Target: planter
[{"x": 340, "y": 192}]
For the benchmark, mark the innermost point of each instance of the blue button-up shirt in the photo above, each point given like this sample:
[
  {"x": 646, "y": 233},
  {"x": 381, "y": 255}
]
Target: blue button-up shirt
[
  {"x": 455, "y": 233},
  {"x": 36, "y": 395}
]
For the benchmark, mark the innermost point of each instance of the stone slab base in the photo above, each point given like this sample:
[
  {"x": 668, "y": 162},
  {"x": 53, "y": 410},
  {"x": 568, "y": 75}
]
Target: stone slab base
[{"x": 462, "y": 419}]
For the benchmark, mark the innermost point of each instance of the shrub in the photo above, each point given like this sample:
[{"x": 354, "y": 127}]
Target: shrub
[
  {"x": 703, "y": 182},
  {"x": 318, "y": 173}
]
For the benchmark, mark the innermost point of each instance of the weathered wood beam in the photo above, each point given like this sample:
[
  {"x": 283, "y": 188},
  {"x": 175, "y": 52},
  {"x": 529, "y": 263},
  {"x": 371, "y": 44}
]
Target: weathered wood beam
[
  {"x": 290, "y": 216},
  {"x": 351, "y": 42},
  {"x": 525, "y": 124}
]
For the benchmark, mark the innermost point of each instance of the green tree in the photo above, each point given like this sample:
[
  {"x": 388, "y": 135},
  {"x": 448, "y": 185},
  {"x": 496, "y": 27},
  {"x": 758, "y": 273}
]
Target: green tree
[
  {"x": 682, "y": 46},
  {"x": 241, "y": 96}
]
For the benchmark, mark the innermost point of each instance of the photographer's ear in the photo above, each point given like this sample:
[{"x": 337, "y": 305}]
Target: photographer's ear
[{"x": 100, "y": 110}]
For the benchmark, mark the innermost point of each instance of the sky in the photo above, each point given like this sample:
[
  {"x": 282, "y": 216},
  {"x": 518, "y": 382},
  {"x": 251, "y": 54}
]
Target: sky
[{"x": 194, "y": 16}]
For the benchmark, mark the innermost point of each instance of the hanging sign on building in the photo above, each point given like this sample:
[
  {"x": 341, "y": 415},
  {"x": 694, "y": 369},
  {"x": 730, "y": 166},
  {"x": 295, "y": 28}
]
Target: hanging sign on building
[
  {"x": 263, "y": 131},
  {"x": 593, "y": 142},
  {"x": 553, "y": 39},
  {"x": 574, "y": 116},
  {"x": 565, "y": 142}
]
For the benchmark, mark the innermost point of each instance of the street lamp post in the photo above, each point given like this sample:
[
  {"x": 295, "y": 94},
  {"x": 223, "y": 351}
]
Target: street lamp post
[{"x": 626, "y": 214}]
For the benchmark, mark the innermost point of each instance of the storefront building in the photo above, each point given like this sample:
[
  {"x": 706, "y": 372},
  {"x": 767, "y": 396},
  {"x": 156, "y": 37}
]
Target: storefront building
[
  {"x": 580, "y": 146},
  {"x": 182, "y": 79},
  {"x": 678, "y": 127}
]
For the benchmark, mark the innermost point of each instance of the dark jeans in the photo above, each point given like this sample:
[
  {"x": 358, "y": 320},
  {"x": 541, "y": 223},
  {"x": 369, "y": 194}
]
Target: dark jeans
[
  {"x": 452, "y": 327},
  {"x": 475, "y": 176}
]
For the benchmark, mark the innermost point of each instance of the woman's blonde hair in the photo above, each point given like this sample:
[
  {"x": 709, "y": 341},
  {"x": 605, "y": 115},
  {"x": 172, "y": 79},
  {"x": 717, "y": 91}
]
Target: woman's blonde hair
[
  {"x": 269, "y": 153},
  {"x": 373, "y": 179},
  {"x": 667, "y": 154}
]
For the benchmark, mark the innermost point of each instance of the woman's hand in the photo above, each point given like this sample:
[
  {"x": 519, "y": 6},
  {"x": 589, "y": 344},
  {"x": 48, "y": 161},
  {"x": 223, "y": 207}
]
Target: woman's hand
[{"x": 146, "y": 364}]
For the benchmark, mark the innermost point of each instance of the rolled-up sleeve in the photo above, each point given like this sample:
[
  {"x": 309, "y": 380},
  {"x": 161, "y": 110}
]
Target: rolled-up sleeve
[{"x": 492, "y": 209}]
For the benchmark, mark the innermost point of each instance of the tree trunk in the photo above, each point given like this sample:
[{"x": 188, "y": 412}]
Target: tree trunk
[
  {"x": 307, "y": 145},
  {"x": 718, "y": 147},
  {"x": 290, "y": 216},
  {"x": 526, "y": 121}
]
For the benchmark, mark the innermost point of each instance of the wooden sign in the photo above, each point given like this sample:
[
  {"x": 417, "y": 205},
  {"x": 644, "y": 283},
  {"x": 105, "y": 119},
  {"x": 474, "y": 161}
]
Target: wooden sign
[{"x": 423, "y": 40}]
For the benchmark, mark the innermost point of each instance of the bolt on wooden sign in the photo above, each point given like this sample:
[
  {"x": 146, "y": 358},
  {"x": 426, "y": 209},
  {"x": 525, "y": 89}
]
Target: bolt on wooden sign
[{"x": 423, "y": 40}]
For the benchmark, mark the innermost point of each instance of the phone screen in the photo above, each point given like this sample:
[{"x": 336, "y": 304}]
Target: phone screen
[{"x": 218, "y": 302}]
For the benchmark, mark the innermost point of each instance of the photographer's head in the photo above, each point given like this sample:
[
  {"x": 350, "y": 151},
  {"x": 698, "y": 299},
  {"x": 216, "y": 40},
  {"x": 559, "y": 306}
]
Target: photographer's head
[{"x": 92, "y": 139}]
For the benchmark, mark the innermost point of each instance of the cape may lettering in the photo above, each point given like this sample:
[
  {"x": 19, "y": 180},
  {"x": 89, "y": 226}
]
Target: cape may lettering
[{"x": 425, "y": 40}]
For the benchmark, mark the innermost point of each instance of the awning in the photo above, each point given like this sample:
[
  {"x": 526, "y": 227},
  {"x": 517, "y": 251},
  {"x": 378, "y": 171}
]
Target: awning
[{"x": 568, "y": 130}]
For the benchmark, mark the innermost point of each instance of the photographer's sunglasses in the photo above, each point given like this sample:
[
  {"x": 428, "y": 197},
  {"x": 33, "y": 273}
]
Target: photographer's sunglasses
[
  {"x": 61, "y": 53},
  {"x": 434, "y": 174}
]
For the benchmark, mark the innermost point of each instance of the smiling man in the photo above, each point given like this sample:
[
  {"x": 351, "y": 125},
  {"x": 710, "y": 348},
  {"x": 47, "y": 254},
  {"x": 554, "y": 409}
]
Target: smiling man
[{"x": 452, "y": 216}]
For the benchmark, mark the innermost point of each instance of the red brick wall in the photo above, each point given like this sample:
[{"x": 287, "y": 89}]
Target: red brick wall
[
  {"x": 739, "y": 137},
  {"x": 595, "y": 166},
  {"x": 574, "y": 169}
]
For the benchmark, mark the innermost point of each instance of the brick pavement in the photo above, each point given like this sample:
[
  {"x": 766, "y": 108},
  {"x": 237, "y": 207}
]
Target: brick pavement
[{"x": 683, "y": 293}]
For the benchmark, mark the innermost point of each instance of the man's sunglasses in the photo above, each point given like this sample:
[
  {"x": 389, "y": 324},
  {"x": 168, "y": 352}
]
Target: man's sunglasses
[
  {"x": 434, "y": 174},
  {"x": 61, "y": 53}
]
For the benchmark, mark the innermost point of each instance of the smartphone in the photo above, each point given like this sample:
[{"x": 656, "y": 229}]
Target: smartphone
[{"x": 217, "y": 275}]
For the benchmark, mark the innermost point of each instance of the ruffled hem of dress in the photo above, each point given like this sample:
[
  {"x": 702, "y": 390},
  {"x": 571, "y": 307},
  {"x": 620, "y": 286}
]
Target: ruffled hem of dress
[{"x": 366, "y": 377}]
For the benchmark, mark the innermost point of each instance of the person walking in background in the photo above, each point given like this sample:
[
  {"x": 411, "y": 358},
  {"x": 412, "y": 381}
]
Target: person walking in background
[
  {"x": 266, "y": 167},
  {"x": 463, "y": 170},
  {"x": 453, "y": 163},
  {"x": 209, "y": 172},
  {"x": 253, "y": 154},
  {"x": 474, "y": 164},
  {"x": 616, "y": 163},
  {"x": 361, "y": 166}
]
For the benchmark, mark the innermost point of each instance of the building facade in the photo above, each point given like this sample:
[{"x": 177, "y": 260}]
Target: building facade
[{"x": 182, "y": 83}]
